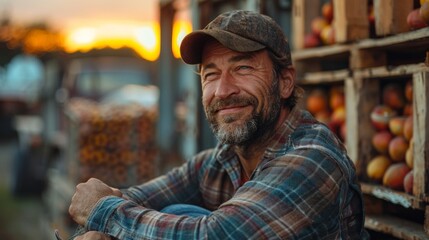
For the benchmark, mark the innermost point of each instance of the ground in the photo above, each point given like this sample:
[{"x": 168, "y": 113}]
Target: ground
[{"x": 21, "y": 218}]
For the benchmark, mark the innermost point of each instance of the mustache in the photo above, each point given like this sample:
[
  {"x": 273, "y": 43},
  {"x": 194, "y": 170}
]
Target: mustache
[{"x": 235, "y": 101}]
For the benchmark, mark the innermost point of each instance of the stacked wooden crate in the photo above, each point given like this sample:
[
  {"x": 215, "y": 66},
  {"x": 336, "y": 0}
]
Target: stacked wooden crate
[{"x": 364, "y": 63}]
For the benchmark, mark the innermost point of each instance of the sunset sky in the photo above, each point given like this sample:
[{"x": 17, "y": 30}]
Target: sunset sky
[{"x": 69, "y": 13}]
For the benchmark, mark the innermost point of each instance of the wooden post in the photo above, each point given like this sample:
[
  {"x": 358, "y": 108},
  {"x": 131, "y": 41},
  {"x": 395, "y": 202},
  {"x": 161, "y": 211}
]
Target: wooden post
[
  {"x": 303, "y": 12},
  {"x": 391, "y": 16},
  {"x": 350, "y": 20},
  {"x": 421, "y": 134}
]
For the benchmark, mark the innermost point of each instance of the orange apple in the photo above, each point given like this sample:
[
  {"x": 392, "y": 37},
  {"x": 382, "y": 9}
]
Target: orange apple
[
  {"x": 395, "y": 175},
  {"x": 396, "y": 125},
  {"x": 317, "y": 24},
  {"x": 339, "y": 115},
  {"x": 424, "y": 12},
  {"x": 336, "y": 97},
  {"x": 381, "y": 141},
  {"x": 397, "y": 148},
  {"x": 377, "y": 167},
  {"x": 317, "y": 101},
  {"x": 327, "y": 35},
  {"x": 328, "y": 11},
  {"x": 408, "y": 128}
]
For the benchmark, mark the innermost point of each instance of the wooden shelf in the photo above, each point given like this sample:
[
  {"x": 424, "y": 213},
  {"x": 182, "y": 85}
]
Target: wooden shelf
[
  {"x": 396, "y": 227},
  {"x": 393, "y": 71},
  {"x": 397, "y": 197},
  {"x": 403, "y": 40},
  {"x": 337, "y": 76},
  {"x": 321, "y": 52}
]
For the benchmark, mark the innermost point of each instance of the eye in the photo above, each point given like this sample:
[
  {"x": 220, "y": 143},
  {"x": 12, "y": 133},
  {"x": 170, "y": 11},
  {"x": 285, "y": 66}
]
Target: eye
[
  {"x": 243, "y": 68},
  {"x": 209, "y": 76}
]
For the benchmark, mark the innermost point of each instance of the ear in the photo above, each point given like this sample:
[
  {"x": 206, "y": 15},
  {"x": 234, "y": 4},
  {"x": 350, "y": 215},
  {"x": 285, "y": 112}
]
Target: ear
[{"x": 287, "y": 82}]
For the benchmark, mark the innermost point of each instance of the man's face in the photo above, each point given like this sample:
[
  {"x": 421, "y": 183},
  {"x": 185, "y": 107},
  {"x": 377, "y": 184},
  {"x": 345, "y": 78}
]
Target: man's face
[{"x": 240, "y": 96}]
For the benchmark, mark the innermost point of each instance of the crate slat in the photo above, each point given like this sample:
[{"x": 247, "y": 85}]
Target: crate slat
[
  {"x": 421, "y": 133},
  {"x": 395, "y": 226},
  {"x": 391, "y": 16}
]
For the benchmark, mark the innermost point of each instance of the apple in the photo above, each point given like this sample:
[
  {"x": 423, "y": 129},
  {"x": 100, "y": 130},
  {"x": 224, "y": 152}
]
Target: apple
[
  {"x": 328, "y": 35},
  {"x": 317, "y": 101},
  {"x": 381, "y": 140},
  {"x": 395, "y": 175},
  {"x": 380, "y": 116},
  {"x": 311, "y": 40},
  {"x": 328, "y": 11},
  {"x": 396, "y": 125},
  {"x": 398, "y": 148},
  {"x": 317, "y": 24},
  {"x": 409, "y": 91},
  {"x": 409, "y": 182},
  {"x": 408, "y": 128},
  {"x": 377, "y": 166},
  {"x": 393, "y": 96},
  {"x": 415, "y": 21},
  {"x": 424, "y": 12}
]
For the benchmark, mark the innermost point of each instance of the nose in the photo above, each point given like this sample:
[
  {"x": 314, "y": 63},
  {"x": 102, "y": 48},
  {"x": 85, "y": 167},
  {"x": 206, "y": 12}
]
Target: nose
[{"x": 226, "y": 86}]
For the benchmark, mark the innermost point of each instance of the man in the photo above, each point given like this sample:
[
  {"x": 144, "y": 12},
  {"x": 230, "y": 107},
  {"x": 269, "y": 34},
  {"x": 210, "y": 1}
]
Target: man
[{"x": 276, "y": 173}]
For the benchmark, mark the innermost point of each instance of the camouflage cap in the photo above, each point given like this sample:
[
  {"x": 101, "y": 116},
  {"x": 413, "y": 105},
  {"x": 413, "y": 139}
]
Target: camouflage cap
[{"x": 238, "y": 30}]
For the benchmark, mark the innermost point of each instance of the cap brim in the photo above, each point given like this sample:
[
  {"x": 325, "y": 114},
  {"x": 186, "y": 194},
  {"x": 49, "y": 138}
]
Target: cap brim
[{"x": 192, "y": 45}]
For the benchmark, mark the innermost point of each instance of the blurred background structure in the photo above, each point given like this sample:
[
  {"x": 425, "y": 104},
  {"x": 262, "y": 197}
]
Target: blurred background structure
[{"x": 96, "y": 89}]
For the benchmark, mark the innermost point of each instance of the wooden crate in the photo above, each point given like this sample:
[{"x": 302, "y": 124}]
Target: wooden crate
[
  {"x": 362, "y": 92},
  {"x": 118, "y": 148},
  {"x": 391, "y": 16},
  {"x": 324, "y": 63},
  {"x": 397, "y": 50},
  {"x": 350, "y": 20},
  {"x": 393, "y": 216}
]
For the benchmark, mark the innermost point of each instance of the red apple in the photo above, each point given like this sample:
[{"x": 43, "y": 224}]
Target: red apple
[
  {"x": 393, "y": 96},
  {"x": 380, "y": 117},
  {"x": 311, "y": 40}
]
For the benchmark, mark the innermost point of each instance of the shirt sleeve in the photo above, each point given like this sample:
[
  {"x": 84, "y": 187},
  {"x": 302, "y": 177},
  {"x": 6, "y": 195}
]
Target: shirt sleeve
[
  {"x": 292, "y": 197},
  {"x": 180, "y": 185}
]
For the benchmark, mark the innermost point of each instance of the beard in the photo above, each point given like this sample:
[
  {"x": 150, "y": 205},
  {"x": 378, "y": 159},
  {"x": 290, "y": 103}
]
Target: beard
[{"x": 241, "y": 130}]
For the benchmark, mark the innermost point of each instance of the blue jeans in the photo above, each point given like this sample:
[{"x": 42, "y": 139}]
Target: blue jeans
[{"x": 186, "y": 210}]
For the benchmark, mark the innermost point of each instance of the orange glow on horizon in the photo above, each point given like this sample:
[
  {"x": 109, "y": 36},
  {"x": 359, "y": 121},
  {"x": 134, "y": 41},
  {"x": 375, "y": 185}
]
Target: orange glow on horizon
[
  {"x": 143, "y": 38},
  {"x": 180, "y": 29}
]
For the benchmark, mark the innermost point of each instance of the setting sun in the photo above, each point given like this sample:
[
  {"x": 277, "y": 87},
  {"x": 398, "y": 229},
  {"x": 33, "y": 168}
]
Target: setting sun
[
  {"x": 180, "y": 29},
  {"x": 143, "y": 38}
]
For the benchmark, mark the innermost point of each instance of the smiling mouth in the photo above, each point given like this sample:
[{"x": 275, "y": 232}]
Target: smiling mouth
[{"x": 231, "y": 109}]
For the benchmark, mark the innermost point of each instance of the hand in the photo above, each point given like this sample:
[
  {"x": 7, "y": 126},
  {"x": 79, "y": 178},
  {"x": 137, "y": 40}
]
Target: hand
[
  {"x": 86, "y": 196},
  {"x": 92, "y": 235}
]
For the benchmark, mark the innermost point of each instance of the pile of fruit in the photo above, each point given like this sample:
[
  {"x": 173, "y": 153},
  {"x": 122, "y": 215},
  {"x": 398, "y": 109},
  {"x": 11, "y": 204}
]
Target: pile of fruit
[
  {"x": 115, "y": 143},
  {"x": 328, "y": 106},
  {"x": 419, "y": 17},
  {"x": 322, "y": 30},
  {"x": 393, "y": 140}
]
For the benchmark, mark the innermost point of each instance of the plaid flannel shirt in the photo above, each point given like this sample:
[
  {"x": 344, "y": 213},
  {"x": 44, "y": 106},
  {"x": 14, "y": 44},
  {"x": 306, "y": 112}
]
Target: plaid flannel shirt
[{"x": 304, "y": 188}]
